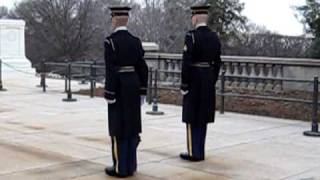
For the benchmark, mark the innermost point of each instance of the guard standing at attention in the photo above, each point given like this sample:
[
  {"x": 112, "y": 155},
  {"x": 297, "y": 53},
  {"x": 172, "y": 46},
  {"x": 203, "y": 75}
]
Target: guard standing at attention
[
  {"x": 200, "y": 71},
  {"x": 125, "y": 90}
]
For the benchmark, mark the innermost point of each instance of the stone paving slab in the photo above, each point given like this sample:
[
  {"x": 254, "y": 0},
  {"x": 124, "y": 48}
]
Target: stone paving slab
[
  {"x": 42, "y": 137},
  {"x": 69, "y": 170}
]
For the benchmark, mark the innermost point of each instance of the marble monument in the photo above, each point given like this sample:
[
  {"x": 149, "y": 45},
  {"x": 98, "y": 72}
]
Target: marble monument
[{"x": 12, "y": 47}]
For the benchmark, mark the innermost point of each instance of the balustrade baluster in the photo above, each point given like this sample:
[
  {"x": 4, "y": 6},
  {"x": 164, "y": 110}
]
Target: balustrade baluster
[
  {"x": 162, "y": 67},
  {"x": 176, "y": 72},
  {"x": 269, "y": 83},
  {"x": 253, "y": 74},
  {"x": 236, "y": 72},
  {"x": 261, "y": 82},
  {"x": 244, "y": 72},
  {"x": 278, "y": 74},
  {"x": 168, "y": 69},
  {"x": 228, "y": 69}
]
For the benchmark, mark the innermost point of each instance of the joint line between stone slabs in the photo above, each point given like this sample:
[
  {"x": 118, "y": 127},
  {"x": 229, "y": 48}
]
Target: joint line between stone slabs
[
  {"x": 195, "y": 169},
  {"x": 38, "y": 134},
  {"x": 300, "y": 173},
  {"x": 260, "y": 118},
  {"x": 91, "y": 147},
  {"x": 266, "y": 129},
  {"x": 157, "y": 147},
  {"x": 163, "y": 117},
  {"x": 248, "y": 142},
  {"x": 53, "y": 165}
]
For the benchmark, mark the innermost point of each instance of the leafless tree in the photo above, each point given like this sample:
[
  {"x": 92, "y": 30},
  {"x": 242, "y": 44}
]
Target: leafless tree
[
  {"x": 258, "y": 41},
  {"x": 63, "y": 29},
  {"x": 75, "y": 29},
  {"x": 3, "y": 11},
  {"x": 164, "y": 22}
]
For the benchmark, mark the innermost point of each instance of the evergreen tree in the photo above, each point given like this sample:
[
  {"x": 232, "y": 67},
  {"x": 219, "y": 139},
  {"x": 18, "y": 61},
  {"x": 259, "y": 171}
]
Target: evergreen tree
[{"x": 310, "y": 14}]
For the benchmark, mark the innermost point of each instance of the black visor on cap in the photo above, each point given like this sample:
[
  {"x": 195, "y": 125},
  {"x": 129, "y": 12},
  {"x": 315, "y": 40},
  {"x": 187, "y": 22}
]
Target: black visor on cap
[
  {"x": 119, "y": 14},
  {"x": 200, "y": 9},
  {"x": 120, "y": 11}
]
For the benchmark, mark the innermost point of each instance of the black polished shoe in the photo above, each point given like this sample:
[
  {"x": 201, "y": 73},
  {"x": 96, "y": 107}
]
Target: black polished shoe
[
  {"x": 185, "y": 156},
  {"x": 112, "y": 172}
]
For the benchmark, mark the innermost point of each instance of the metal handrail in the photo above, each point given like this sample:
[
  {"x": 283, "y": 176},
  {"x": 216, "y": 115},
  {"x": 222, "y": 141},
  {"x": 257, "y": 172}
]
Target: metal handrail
[
  {"x": 269, "y": 78},
  {"x": 154, "y": 86},
  {"x": 266, "y": 98}
]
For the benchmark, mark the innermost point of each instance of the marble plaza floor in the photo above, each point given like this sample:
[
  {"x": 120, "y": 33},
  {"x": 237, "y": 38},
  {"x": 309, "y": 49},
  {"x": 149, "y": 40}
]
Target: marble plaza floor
[{"x": 43, "y": 138}]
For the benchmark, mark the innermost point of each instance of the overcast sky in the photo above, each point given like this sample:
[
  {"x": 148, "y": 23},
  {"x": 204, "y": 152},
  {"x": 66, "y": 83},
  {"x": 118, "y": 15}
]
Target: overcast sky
[
  {"x": 275, "y": 15},
  {"x": 8, "y": 3}
]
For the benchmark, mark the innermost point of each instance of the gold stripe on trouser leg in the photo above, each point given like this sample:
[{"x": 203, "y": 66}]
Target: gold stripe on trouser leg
[
  {"x": 189, "y": 139},
  {"x": 115, "y": 151}
]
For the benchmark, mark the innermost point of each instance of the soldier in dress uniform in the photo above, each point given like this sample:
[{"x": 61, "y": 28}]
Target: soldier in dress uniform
[
  {"x": 200, "y": 71},
  {"x": 125, "y": 90}
]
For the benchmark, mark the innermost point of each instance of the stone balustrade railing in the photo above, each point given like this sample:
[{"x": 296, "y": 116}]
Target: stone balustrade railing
[{"x": 254, "y": 73}]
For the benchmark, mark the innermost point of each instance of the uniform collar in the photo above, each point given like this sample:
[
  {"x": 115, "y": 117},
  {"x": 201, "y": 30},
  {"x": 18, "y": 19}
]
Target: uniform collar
[
  {"x": 121, "y": 28},
  {"x": 200, "y": 25}
]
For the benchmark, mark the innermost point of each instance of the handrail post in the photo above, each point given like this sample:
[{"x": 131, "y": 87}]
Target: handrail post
[
  {"x": 91, "y": 81},
  {"x": 69, "y": 91},
  {"x": 94, "y": 74},
  {"x": 66, "y": 78},
  {"x": 155, "y": 109},
  {"x": 43, "y": 76},
  {"x": 1, "y": 85},
  {"x": 314, "y": 126},
  {"x": 222, "y": 91},
  {"x": 149, "y": 96}
]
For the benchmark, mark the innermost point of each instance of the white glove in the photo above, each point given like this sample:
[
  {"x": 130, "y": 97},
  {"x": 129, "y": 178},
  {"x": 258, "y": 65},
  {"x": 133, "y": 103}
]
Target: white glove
[
  {"x": 111, "y": 101},
  {"x": 184, "y": 92},
  {"x": 142, "y": 100}
]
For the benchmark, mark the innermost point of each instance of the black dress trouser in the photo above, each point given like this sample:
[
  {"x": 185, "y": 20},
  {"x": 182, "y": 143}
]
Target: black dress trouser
[{"x": 124, "y": 154}]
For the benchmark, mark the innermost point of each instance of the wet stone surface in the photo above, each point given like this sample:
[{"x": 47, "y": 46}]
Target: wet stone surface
[{"x": 42, "y": 137}]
